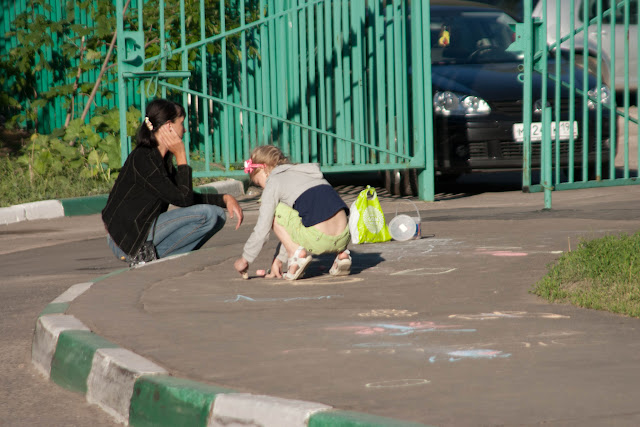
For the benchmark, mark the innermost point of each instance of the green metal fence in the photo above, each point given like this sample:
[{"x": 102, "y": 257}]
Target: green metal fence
[
  {"x": 53, "y": 71},
  {"x": 348, "y": 83},
  {"x": 579, "y": 136},
  {"x": 337, "y": 82},
  {"x": 54, "y": 27}
]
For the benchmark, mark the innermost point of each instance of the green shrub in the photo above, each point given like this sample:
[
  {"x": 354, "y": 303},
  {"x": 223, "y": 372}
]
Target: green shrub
[{"x": 80, "y": 160}]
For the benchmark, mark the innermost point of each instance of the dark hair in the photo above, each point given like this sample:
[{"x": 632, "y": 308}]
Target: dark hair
[{"x": 159, "y": 112}]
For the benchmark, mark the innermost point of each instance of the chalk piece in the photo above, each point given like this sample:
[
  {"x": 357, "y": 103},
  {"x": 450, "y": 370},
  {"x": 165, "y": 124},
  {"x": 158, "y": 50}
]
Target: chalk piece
[
  {"x": 245, "y": 275},
  {"x": 260, "y": 273}
]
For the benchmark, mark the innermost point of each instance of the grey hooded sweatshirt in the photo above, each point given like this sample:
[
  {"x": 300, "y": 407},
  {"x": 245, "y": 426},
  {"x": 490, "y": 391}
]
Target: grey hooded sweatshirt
[{"x": 284, "y": 185}]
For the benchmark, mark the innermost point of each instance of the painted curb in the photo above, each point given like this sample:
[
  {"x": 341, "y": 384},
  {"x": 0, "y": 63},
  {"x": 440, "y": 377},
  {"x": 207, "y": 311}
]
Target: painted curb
[
  {"x": 248, "y": 409},
  {"x": 90, "y": 205},
  {"x": 114, "y": 372},
  {"x": 30, "y": 211},
  {"x": 136, "y": 391},
  {"x": 45, "y": 338}
]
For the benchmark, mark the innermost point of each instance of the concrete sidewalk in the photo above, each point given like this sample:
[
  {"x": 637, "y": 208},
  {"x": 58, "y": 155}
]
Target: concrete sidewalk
[{"x": 440, "y": 331}]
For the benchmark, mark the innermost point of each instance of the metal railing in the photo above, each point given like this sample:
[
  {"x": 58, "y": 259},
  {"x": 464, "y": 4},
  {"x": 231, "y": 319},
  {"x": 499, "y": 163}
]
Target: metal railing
[
  {"x": 585, "y": 154},
  {"x": 337, "y": 82}
]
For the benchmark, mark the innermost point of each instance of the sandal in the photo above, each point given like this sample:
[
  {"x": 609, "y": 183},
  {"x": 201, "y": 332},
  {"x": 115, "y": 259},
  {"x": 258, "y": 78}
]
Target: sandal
[
  {"x": 300, "y": 262},
  {"x": 341, "y": 267}
]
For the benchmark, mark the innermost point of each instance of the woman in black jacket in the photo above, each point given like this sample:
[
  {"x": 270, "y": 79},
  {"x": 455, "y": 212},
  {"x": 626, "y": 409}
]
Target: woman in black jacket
[{"x": 139, "y": 225}]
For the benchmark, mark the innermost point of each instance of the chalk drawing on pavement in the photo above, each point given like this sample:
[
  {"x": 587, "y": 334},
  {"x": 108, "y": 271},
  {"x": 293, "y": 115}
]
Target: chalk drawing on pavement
[
  {"x": 454, "y": 356},
  {"x": 399, "y": 329},
  {"x": 433, "y": 354},
  {"x": 382, "y": 344},
  {"x": 554, "y": 337},
  {"x": 305, "y": 350},
  {"x": 424, "y": 271},
  {"x": 507, "y": 315},
  {"x": 506, "y": 253},
  {"x": 410, "y": 382},
  {"x": 383, "y": 349},
  {"x": 318, "y": 280},
  {"x": 509, "y": 252},
  {"x": 240, "y": 298},
  {"x": 388, "y": 312},
  {"x": 414, "y": 248}
]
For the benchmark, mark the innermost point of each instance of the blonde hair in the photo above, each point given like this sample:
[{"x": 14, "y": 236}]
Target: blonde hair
[{"x": 268, "y": 155}]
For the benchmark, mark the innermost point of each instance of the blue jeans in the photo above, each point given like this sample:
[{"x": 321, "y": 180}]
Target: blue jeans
[{"x": 181, "y": 230}]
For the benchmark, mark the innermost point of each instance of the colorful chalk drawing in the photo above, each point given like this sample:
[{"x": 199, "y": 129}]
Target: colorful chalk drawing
[
  {"x": 508, "y": 252},
  {"x": 388, "y": 312},
  {"x": 507, "y": 315},
  {"x": 413, "y": 349},
  {"x": 399, "y": 329},
  {"x": 414, "y": 248},
  {"x": 305, "y": 350},
  {"x": 382, "y": 345},
  {"x": 425, "y": 271},
  {"x": 457, "y": 355},
  {"x": 239, "y": 298},
  {"x": 317, "y": 280},
  {"x": 412, "y": 382},
  {"x": 432, "y": 353},
  {"x": 553, "y": 337}
]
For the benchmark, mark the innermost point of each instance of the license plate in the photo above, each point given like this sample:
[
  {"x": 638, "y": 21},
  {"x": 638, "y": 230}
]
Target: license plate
[{"x": 537, "y": 129}]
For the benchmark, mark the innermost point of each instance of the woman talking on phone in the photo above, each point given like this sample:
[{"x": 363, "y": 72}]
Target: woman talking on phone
[{"x": 137, "y": 218}]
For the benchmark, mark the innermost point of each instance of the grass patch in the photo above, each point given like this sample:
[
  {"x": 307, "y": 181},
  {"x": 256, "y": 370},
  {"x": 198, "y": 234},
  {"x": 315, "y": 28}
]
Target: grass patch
[{"x": 601, "y": 274}]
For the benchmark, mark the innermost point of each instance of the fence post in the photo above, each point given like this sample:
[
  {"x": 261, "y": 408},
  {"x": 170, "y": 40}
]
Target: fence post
[
  {"x": 122, "y": 92},
  {"x": 422, "y": 96}
]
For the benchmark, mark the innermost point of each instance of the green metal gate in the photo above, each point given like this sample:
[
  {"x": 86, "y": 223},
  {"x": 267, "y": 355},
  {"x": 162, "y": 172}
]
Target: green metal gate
[
  {"x": 337, "y": 82},
  {"x": 580, "y": 136}
]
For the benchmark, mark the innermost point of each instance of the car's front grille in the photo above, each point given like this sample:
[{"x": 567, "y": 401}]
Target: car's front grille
[
  {"x": 478, "y": 150},
  {"x": 511, "y": 150},
  {"x": 511, "y": 108},
  {"x": 514, "y": 108}
]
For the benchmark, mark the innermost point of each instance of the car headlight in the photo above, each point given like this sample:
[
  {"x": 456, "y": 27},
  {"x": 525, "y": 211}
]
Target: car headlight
[
  {"x": 605, "y": 97},
  {"x": 452, "y": 104},
  {"x": 537, "y": 106}
]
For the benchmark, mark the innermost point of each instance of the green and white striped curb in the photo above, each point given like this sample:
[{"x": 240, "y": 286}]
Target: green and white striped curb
[
  {"x": 49, "y": 209},
  {"x": 138, "y": 392}
]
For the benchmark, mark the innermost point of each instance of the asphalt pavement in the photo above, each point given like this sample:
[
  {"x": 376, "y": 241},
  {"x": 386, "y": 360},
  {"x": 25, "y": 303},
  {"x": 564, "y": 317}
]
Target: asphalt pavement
[{"x": 442, "y": 330}]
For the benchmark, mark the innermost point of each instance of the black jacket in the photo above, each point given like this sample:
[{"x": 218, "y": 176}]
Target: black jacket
[{"x": 146, "y": 186}]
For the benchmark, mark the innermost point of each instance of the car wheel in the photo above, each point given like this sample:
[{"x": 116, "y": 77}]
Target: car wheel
[
  {"x": 392, "y": 179},
  {"x": 413, "y": 182},
  {"x": 448, "y": 176},
  {"x": 401, "y": 182}
]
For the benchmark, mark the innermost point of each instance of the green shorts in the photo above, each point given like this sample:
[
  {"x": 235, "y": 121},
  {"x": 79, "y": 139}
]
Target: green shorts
[{"x": 313, "y": 240}]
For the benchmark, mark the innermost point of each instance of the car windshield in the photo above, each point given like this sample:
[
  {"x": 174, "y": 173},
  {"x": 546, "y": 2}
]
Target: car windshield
[{"x": 466, "y": 37}]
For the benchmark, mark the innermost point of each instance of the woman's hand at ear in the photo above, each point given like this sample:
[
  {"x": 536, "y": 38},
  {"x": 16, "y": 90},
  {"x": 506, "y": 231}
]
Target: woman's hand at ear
[{"x": 171, "y": 142}]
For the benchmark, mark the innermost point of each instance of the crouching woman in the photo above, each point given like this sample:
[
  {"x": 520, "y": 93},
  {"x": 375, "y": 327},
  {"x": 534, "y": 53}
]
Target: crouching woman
[{"x": 137, "y": 218}]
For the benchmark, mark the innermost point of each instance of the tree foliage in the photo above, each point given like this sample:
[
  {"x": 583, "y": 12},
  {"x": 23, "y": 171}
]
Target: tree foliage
[
  {"x": 59, "y": 50},
  {"x": 55, "y": 52}
]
